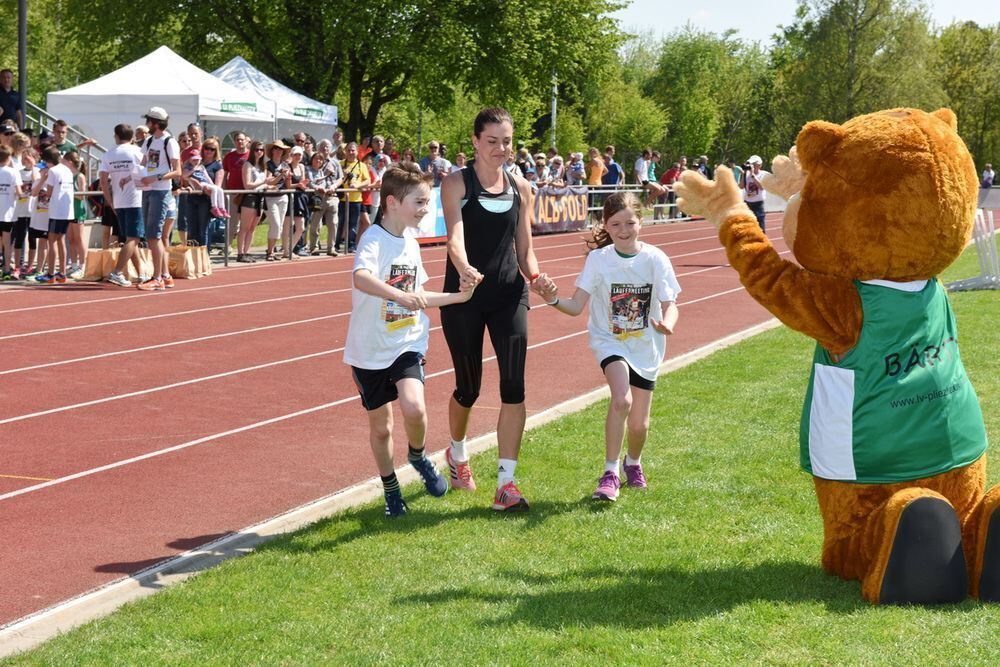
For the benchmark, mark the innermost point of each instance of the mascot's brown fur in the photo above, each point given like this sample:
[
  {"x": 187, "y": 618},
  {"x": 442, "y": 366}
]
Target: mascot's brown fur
[{"x": 888, "y": 196}]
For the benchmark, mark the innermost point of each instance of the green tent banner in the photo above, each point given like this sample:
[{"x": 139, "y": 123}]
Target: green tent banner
[{"x": 237, "y": 107}]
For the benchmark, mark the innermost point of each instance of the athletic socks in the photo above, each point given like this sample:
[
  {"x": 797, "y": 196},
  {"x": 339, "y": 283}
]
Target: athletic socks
[
  {"x": 611, "y": 466},
  {"x": 629, "y": 461},
  {"x": 505, "y": 471},
  {"x": 414, "y": 454},
  {"x": 390, "y": 485},
  {"x": 458, "y": 453}
]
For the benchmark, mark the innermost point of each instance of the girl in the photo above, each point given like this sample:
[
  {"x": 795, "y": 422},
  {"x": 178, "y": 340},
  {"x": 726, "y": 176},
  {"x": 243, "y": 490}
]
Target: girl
[
  {"x": 254, "y": 178},
  {"x": 29, "y": 173},
  {"x": 634, "y": 292},
  {"x": 38, "y": 227},
  {"x": 295, "y": 219}
]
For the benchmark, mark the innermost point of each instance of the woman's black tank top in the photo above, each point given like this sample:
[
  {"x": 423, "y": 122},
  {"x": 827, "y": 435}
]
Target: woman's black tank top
[{"x": 489, "y": 243}]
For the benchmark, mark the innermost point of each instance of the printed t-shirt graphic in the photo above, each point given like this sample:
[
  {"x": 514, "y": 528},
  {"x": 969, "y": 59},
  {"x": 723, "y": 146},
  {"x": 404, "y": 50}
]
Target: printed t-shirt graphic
[
  {"x": 403, "y": 277},
  {"x": 629, "y": 309}
]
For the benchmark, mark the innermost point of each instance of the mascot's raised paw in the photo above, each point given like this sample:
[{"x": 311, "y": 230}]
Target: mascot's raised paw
[
  {"x": 714, "y": 200},
  {"x": 786, "y": 177}
]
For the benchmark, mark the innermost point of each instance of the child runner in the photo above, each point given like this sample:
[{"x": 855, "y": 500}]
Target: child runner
[
  {"x": 38, "y": 226},
  {"x": 10, "y": 191},
  {"x": 388, "y": 331},
  {"x": 59, "y": 189},
  {"x": 77, "y": 250},
  {"x": 633, "y": 309},
  {"x": 22, "y": 154}
]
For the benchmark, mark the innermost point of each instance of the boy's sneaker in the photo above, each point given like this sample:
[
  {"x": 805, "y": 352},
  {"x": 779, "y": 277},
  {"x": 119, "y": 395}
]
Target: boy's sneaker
[
  {"x": 168, "y": 282},
  {"x": 633, "y": 476},
  {"x": 150, "y": 285},
  {"x": 119, "y": 279},
  {"x": 44, "y": 278},
  {"x": 509, "y": 499},
  {"x": 435, "y": 484},
  {"x": 395, "y": 506},
  {"x": 607, "y": 487},
  {"x": 460, "y": 473},
  {"x": 59, "y": 278}
]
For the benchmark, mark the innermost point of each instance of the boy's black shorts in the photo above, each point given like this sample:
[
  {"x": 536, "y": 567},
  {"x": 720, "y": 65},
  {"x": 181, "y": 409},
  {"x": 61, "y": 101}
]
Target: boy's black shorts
[
  {"x": 634, "y": 378},
  {"x": 378, "y": 387}
]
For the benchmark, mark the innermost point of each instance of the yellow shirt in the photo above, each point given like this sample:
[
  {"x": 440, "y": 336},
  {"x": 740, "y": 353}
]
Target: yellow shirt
[
  {"x": 357, "y": 172},
  {"x": 595, "y": 171}
]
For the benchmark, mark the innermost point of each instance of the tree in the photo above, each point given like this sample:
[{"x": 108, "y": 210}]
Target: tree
[{"x": 623, "y": 116}]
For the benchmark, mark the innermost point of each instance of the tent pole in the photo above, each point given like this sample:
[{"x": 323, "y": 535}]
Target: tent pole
[{"x": 274, "y": 123}]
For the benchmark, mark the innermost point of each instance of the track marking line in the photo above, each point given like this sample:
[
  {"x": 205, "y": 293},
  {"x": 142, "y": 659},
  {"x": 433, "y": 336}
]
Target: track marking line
[
  {"x": 35, "y": 479},
  {"x": 265, "y": 422}
]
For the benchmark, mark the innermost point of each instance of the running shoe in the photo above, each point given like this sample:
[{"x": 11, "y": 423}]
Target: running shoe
[
  {"x": 168, "y": 282},
  {"x": 16, "y": 273},
  {"x": 143, "y": 278},
  {"x": 30, "y": 273},
  {"x": 76, "y": 273},
  {"x": 634, "y": 478},
  {"x": 435, "y": 484},
  {"x": 607, "y": 487},
  {"x": 119, "y": 279},
  {"x": 44, "y": 278},
  {"x": 395, "y": 506},
  {"x": 509, "y": 499},
  {"x": 7, "y": 275},
  {"x": 151, "y": 285},
  {"x": 461, "y": 473},
  {"x": 59, "y": 278}
]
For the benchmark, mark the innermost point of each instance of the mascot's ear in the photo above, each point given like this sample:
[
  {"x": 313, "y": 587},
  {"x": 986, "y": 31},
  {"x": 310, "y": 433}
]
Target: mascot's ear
[
  {"x": 816, "y": 140},
  {"x": 948, "y": 116}
]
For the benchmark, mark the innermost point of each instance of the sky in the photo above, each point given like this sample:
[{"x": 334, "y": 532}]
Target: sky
[{"x": 757, "y": 20}]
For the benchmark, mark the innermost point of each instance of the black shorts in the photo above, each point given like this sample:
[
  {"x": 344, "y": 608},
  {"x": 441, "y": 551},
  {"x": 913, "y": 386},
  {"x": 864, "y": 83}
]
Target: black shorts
[
  {"x": 37, "y": 233},
  {"x": 6, "y": 226},
  {"x": 251, "y": 201},
  {"x": 378, "y": 387},
  {"x": 634, "y": 378},
  {"x": 58, "y": 226}
]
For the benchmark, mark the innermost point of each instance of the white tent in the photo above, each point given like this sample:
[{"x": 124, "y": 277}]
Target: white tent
[
  {"x": 167, "y": 80},
  {"x": 295, "y": 112}
]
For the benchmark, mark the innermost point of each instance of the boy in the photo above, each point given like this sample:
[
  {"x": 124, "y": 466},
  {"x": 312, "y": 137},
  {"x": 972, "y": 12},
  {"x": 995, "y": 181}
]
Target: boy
[
  {"x": 120, "y": 169},
  {"x": 59, "y": 189},
  {"x": 10, "y": 191},
  {"x": 388, "y": 331}
]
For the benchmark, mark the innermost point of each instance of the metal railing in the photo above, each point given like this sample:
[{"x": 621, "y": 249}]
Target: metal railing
[{"x": 91, "y": 153}]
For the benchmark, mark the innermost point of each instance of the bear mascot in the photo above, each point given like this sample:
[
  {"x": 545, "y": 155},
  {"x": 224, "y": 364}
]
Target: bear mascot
[{"x": 891, "y": 428}]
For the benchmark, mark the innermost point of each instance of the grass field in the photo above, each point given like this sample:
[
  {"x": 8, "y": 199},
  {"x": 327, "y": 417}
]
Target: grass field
[{"x": 717, "y": 563}]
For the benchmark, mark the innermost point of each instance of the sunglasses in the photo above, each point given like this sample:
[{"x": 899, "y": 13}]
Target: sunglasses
[
  {"x": 208, "y": 148},
  {"x": 259, "y": 149}
]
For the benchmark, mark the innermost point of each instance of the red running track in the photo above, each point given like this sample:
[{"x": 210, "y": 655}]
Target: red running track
[{"x": 141, "y": 425}]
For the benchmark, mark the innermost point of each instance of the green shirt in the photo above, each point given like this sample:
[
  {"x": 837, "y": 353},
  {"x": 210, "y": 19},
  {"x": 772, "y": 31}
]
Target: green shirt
[
  {"x": 898, "y": 406},
  {"x": 66, "y": 147}
]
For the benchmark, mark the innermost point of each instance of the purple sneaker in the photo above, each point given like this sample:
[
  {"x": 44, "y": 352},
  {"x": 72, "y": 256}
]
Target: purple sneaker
[
  {"x": 607, "y": 487},
  {"x": 633, "y": 476}
]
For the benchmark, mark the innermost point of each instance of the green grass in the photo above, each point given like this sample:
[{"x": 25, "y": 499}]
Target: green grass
[{"x": 718, "y": 563}]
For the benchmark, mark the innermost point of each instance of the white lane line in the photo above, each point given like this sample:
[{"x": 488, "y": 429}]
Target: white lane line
[
  {"x": 171, "y": 344},
  {"x": 249, "y": 282},
  {"x": 253, "y": 303},
  {"x": 272, "y": 420}
]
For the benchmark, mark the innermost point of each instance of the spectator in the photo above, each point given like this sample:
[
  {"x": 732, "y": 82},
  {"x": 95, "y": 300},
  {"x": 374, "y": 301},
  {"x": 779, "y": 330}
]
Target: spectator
[
  {"x": 460, "y": 162},
  {"x": 510, "y": 164},
  {"x": 989, "y": 176},
  {"x": 541, "y": 169},
  {"x": 736, "y": 169},
  {"x": 390, "y": 150},
  {"x": 653, "y": 190},
  {"x": 615, "y": 175},
  {"x": 378, "y": 150},
  {"x": 668, "y": 179},
  {"x": 7, "y": 131},
  {"x": 204, "y": 177},
  {"x": 141, "y": 134},
  {"x": 323, "y": 201},
  {"x": 753, "y": 190},
  {"x": 378, "y": 168},
  {"x": 575, "y": 171},
  {"x": 523, "y": 160},
  {"x": 232, "y": 165},
  {"x": 408, "y": 155},
  {"x": 194, "y": 148},
  {"x": 300, "y": 139},
  {"x": 255, "y": 177},
  {"x": 60, "y": 130},
  {"x": 356, "y": 177},
  {"x": 444, "y": 156},
  {"x": 10, "y": 100},
  {"x": 364, "y": 148},
  {"x": 367, "y": 200},
  {"x": 119, "y": 173},
  {"x": 180, "y": 203},
  {"x": 703, "y": 168},
  {"x": 298, "y": 181},
  {"x": 596, "y": 169},
  {"x": 557, "y": 173},
  {"x": 339, "y": 147},
  {"x": 276, "y": 204},
  {"x": 161, "y": 159},
  {"x": 434, "y": 164}
]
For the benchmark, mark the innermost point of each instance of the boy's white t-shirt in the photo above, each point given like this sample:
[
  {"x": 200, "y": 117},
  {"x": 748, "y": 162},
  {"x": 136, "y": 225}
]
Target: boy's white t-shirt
[
  {"x": 40, "y": 207},
  {"x": 28, "y": 177},
  {"x": 10, "y": 178},
  {"x": 158, "y": 163},
  {"x": 625, "y": 293},
  {"x": 123, "y": 163},
  {"x": 61, "y": 202},
  {"x": 641, "y": 170},
  {"x": 381, "y": 330}
]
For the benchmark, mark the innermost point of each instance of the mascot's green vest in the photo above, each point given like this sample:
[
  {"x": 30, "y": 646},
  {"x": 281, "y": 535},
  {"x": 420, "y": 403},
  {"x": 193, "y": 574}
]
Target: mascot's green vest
[{"x": 898, "y": 406}]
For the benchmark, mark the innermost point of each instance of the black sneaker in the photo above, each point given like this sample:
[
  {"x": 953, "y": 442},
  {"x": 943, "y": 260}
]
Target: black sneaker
[
  {"x": 395, "y": 506},
  {"x": 435, "y": 484}
]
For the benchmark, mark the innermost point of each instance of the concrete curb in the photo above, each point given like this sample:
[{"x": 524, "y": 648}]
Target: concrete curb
[{"x": 32, "y": 630}]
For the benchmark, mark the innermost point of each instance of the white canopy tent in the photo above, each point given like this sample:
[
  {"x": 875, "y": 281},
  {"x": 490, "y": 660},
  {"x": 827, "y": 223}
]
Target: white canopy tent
[
  {"x": 294, "y": 112},
  {"x": 167, "y": 80}
]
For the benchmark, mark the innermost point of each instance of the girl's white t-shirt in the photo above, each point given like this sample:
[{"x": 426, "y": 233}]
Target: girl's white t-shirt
[
  {"x": 61, "y": 202},
  {"x": 28, "y": 176},
  {"x": 381, "y": 330},
  {"x": 39, "y": 206},
  {"x": 10, "y": 178},
  {"x": 625, "y": 293}
]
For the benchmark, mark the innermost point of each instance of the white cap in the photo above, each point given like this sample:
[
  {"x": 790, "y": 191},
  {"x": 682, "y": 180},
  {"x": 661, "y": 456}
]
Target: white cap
[
  {"x": 755, "y": 159},
  {"x": 298, "y": 150},
  {"x": 156, "y": 113}
]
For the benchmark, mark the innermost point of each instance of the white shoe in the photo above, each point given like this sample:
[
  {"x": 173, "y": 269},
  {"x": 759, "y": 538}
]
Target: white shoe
[
  {"x": 76, "y": 273},
  {"x": 119, "y": 279},
  {"x": 143, "y": 278}
]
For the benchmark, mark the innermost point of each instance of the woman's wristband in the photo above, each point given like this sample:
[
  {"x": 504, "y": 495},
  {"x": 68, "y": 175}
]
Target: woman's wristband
[{"x": 533, "y": 277}]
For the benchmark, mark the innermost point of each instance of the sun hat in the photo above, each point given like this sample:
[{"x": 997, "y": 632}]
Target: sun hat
[
  {"x": 277, "y": 144},
  {"x": 754, "y": 159},
  {"x": 156, "y": 113}
]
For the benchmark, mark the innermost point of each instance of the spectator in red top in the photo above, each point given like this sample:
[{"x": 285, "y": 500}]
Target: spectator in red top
[
  {"x": 668, "y": 178},
  {"x": 390, "y": 150},
  {"x": 233, "y": 165},
  {"x": 194, "y": 136},
  {"x": 365, "y": 220}
]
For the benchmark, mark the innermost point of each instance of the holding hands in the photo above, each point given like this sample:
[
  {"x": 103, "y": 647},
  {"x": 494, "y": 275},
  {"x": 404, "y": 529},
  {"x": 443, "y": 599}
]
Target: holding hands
[
  {"x": 545, "y": 287},
  {"x": 469, "y": 279}
]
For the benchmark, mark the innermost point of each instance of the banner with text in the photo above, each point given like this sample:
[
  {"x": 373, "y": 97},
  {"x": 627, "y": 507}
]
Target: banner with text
[{"x": 560, "y": 209}]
